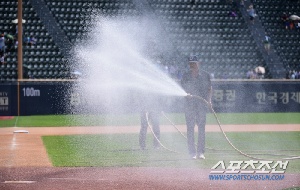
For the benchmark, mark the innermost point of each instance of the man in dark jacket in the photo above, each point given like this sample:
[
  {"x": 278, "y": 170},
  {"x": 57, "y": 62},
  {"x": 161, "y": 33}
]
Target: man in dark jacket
[{"x": 196, "y": 82}]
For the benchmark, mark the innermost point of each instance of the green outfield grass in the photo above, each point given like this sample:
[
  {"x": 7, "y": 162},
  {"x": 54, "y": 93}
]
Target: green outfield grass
[
  {"x": 119, "y": 150},
  {"x": 133, "y": 119}
]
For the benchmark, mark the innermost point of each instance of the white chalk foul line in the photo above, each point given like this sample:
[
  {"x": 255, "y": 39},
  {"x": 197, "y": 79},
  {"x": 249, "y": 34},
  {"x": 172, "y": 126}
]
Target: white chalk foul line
[
  {"x": 26, "y": 182},
  {"x": 77, "y": 179}
]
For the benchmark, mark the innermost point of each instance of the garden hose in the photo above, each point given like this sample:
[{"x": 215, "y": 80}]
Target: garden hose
[{"x": 219, "y": 124}]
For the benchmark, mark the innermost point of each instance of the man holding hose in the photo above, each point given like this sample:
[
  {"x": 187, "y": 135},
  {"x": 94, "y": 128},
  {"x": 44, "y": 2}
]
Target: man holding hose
[{"x": 196, "y": 82}]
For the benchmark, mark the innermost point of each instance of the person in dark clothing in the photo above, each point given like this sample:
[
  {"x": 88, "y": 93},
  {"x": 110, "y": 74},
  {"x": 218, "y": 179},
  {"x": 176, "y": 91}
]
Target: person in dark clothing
[
  {"x": 150, "y": 115},
  {"x": 196, "y": 82},
  {"x": 154, "y": 118}
]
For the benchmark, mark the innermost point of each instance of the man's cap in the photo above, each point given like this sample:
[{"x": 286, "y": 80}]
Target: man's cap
[{"x": 193, "y": 59}]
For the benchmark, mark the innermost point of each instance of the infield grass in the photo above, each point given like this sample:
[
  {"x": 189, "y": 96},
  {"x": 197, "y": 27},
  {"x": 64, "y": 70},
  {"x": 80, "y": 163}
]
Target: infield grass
[
  {"x": 123, "y": 150},
  {"x": 120, "y": 150}
]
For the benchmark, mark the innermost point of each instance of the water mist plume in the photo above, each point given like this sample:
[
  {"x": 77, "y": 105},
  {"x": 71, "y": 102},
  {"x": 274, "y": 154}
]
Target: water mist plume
[{"x": 120, "y": 55}]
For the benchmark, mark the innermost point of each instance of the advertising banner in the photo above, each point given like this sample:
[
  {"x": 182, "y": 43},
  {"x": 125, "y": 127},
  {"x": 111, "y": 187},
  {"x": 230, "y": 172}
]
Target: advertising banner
[
  {"x": 39, "y": 98},
  {"x": 256, "y": 96},
  {"x": 8, "y": 99}
]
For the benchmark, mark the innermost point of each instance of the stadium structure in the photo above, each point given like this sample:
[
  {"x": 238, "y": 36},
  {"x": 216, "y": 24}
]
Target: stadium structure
[
  {"x": 225, "y": 44},
  {"x": 36, "y": 76}
]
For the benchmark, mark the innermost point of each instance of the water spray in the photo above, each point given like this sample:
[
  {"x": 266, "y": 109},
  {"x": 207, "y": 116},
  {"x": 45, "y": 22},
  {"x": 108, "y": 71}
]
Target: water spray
[{"x": 121, "y": 57}]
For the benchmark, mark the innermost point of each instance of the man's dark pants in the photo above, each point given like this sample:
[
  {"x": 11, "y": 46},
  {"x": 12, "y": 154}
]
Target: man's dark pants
[
  {"x": 196, "y": 116},
  {"x": 153, "y": 117}
]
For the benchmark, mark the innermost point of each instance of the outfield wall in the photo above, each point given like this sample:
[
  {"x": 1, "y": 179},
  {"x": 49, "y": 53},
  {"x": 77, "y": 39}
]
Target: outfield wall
[{"x": 57, "y": 97}]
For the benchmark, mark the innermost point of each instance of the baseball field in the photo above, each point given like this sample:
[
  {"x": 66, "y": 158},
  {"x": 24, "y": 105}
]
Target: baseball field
[{"x": 96, "y": 151}]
